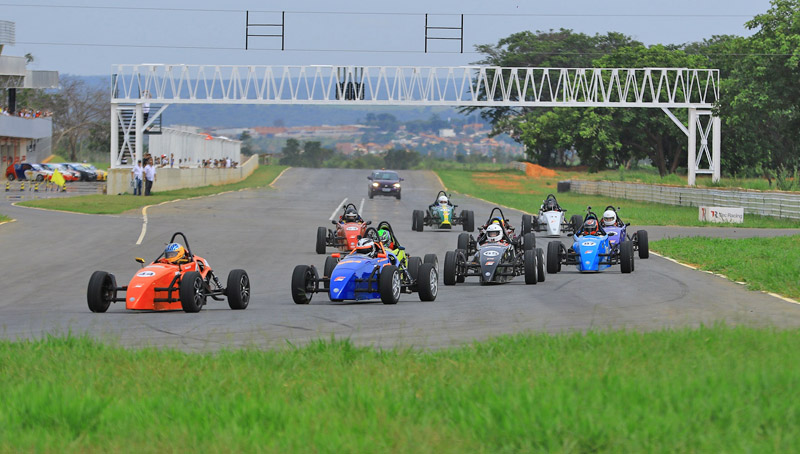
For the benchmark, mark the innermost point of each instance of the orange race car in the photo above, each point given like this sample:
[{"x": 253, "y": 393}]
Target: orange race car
[
  {"x": 349, "y": 229},
  {"x": 177, "y": 279}
]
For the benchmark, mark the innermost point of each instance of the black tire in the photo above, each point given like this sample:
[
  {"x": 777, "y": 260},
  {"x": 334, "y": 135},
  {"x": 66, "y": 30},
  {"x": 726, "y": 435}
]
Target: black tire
[
  {"x": 540, "y": 272},
  {"x": 11, "y": 177},
  {"x": 371, "y": 195},
  {"x": 528, "y": 242},
  {"x": 643, "y": 243},
  {"x": 432, "y": 259},
  {"x": 322, "y": 239},
  {"x": 414, "y": 221},
  {"x": 327, "y": 270},
  {"x": 192, "y": 292},
  {"x": 428, "y": 282},
  {"x": 398, "y": 196},
  {"x": 461, "y": 262},
  {"x": 303, "y": 281},
  {"x": 419, "y": 217},
  {"x": 469, "y": 221},
  {"x": 576, "y": 221},
  {"x": 463, "y": 241},
  {"x": 413, "y": 269},
  {"x": 529, "y": 264},
  {"x": 527, "y": 223},
  {"x": 450, "y": 268},
  {"x": 39, "y": 177},
  {"x": 626, "y": 257},
  {"x": 389, "y": 284},
  {"x": 101, "y": 292},
  {"x": 238, "y": 289},
  {"x": 553, "y": 257}
]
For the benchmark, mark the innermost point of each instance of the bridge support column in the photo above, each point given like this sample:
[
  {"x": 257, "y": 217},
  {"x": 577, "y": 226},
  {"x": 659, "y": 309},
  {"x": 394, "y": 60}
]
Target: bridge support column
[
  {"x": 709, "y": 129},
  {"x": 114, "y": 135}
]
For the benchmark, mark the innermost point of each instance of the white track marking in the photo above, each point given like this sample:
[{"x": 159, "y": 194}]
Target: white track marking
[
  {"x": 361, "y": 207},
  {"x": 338, "y": 207},
  {"x": 144, "y": 225}
]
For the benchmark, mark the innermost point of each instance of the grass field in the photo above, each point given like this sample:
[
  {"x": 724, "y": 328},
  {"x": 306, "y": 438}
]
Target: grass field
[
  {"x": 515, "y": 189},
  {"x": 115, "y": 204},
  {"x": 4, "y": 218},
  {"x": 769, "y": 264},
  {"x": 712, "y": 389}
]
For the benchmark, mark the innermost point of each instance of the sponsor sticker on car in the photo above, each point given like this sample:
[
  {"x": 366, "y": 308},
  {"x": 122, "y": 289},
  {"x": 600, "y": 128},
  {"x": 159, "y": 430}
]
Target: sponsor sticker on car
[
  {"x": 491, "y": 253},
  {"x": 352, "y": 228},
  {"x": 340, "y": 278},
  {"x": 588, "y": 243},
  {"x": 146, "y": 274}
]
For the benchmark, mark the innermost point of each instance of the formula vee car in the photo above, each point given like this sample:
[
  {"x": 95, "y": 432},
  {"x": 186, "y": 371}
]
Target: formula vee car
[
  {"x": 371, "y": 271},
  {"x": 591, "y": 250},
  {"x": 441, "y": 214},
  {"x": 638, "y": 239},
  {"x": 349, "y": 228},
  {"x": 551, "y": 219},
  {"x": 171, "y": 282},
  {"x": 494, "y": 259}
]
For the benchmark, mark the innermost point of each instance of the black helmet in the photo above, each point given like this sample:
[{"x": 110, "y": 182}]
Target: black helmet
[{"x": 350, "y": 214}]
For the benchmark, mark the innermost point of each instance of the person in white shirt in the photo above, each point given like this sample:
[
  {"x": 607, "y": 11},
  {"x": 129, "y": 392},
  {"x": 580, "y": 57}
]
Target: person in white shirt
[
  {"x": 137, "y": 178},
  {"x": 149, "y": 176}
]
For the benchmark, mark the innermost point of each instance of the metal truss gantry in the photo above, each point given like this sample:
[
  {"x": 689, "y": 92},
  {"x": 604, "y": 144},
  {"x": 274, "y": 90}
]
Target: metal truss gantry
[{"x": 461, "y": 86}]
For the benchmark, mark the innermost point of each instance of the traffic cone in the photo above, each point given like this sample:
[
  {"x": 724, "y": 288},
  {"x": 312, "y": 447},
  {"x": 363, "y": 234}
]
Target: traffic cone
[
  {"x": 64, "y": 188},
  {"x": 8, "y": 186},
  {"x": 36, "y": 187},
  {"x": 22, "y": 186}
]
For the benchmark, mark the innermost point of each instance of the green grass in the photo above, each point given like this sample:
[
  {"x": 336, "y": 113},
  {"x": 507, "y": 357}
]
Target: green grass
[
  {"x": 514, "y": 189},
  {"x": 713, "y": 389},
  {"x": 115, "y": 204},
  {"x": 769, "y": 264},
  {"x": 4, "y": 218}
]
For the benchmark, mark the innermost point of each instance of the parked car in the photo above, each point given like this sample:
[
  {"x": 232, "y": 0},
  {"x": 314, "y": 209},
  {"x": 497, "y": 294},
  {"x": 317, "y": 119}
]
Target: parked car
[
  {"x": 86, "y": 174},
  {"x": 66, "y": 172},
  {"x": 27, "y": 171},
  {"x": 384, "y": 182},
  {"x": 102, "y": 175}
]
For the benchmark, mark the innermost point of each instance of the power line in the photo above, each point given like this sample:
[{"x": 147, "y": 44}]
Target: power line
[{"x": 366, "y": 13}]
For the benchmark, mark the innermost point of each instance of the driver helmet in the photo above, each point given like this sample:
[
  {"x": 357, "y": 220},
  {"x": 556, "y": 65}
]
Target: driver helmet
[
  {"x": 386, "y": 238},
  {"x": 366, "y": 246},
  {"x": 494, "y": 233},
  {"x": 350, "y": 214},
  {"x": 174, "y": 253},
  {"x": 442, "y": 200},
  {"x": 550, "y": 204},
  {"x": 496, "y": 220},
  {"x": 589, "y": 227},
  {"x": 609, "y": 218}
]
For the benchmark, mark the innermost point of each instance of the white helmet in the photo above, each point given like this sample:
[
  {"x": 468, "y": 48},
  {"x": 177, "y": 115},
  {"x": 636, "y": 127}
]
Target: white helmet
[
  {"x": 609, "y": 218},
  {"x": 442, "y": 200},
  {"x": 366, "y": 246},
  {"x": 494, "y": 233}
]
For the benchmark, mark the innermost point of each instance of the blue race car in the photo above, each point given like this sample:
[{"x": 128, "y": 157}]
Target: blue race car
[
  {"x": 591, "y": 250},
  {"x": 371, "y": 271}
]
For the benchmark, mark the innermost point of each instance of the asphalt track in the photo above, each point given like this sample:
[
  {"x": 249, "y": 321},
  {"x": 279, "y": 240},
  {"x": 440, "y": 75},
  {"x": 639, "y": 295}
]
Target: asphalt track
[{"x": 47, "y": 259}]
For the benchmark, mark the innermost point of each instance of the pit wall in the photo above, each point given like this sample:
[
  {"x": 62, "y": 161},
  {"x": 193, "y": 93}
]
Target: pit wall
[
  {"x": 777, "y": 204},
  {"x": 167, "y": 179}
]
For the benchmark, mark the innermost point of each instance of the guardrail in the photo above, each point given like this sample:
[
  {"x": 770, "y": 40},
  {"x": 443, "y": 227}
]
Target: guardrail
[{"x": 776, "y": 204}]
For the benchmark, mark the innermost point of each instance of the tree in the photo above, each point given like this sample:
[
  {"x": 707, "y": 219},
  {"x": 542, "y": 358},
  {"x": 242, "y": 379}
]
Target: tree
[
  {"x": 248, "y": 148},
  {"x": 291, "y": 153},
  {"x": 401, "y": 159},
  {"x": 314, "y": 155}
]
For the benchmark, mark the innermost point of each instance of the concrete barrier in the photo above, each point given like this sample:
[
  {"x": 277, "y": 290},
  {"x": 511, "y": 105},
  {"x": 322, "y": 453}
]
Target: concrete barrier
[{"x": 170, "y": 178}]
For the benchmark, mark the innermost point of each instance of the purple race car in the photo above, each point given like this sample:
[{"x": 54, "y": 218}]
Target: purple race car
[{"x": 612, "y": 223}]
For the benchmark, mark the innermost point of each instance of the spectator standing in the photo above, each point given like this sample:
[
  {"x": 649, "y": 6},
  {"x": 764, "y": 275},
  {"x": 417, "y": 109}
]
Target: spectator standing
[
  {"x": 137, "y": 178},
  {"x": 149, "y": 176}
]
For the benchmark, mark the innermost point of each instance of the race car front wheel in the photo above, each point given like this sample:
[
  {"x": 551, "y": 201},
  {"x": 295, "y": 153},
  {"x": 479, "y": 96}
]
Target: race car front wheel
[
  {"x": 389, "y": 284},
  {"x": 304, "y": 279},
  {"x": 238, "y": 289},
  {"x": 529, "y": 262},
  {"x": 553, "y": 258},
  {"x": 101, "y": 291},
  {"x": 192, "y": 292},
  {"x": 427, "y": 282}
]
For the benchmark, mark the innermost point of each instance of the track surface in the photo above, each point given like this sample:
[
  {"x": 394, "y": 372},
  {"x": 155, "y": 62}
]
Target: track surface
[{"x": 48, "y": 258}]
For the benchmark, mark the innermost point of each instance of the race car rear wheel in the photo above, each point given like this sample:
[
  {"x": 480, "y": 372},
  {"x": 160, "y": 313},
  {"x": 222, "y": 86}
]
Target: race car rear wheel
[
  {"x": 433, "y": 259},
  {"x": 527, "y": 223},
  {"x": 101, "y": 291},
  {"x": 463, "y": 241},
  {"x": 327, "y": 270},
  {"x": 304, "y": 279},
  {"x": 626, "y": 256},
  {"x": 427, "y": 282},
  {"x": 553, "y": 258},
  {"x": 529, "y": 265},
  {"x": 322, "y": 239},
  {"x": 192, "y": 292},
  {"x": 576, "y": 221},
  {"x": 413, "y": 269},
  {"x": 238, "y": 289},
  {"x": 528, "y": 242},
  {"x": 389, "y": 284},
  {"x": 644, "y": 245},
  {"x": 540, "y": 264},
  {"x": 469, "y": 221},
  {"x": 461, "y": 265},
  {"x": 450, "y": 268}
]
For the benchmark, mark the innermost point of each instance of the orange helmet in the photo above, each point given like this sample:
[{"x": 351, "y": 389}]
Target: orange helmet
[{"x": 174, "y": 253}]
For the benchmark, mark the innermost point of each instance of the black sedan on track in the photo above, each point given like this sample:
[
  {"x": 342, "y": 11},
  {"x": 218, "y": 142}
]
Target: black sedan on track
[{"x": 384, "y": 182}]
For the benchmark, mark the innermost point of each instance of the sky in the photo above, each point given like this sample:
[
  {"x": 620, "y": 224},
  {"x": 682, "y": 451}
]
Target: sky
[{"x": 87, "y": 37}]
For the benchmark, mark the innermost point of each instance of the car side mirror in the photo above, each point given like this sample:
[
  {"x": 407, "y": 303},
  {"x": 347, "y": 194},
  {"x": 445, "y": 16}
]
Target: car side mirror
[
  {"x": 333, "y": 222},
  {"x": 628, "y": 224},
  {"x": 368, "y": 223},
  {"x": 401, "y": 248},
  {"x": 569, "y": 234},
  {"x": 402, "y": 179},
  {"x": 369, "y": 178},
  {"x": 336, "y": 255},
  {"x": 139, "y": 260}
]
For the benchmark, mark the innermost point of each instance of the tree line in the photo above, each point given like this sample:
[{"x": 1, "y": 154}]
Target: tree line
[{"x": 759, "y": 103}]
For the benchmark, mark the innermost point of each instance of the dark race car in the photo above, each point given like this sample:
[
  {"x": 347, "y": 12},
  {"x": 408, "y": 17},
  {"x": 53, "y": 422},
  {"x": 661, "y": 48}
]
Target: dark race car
[
  {"x": 495, "y": 256},
  {"x": 441, "y": 214},
  {"x": 384, "y": 182},
  {"x": 347, "y": 231}
]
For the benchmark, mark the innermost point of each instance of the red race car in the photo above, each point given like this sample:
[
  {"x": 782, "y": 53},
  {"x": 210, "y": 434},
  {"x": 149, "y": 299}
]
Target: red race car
[
  {"x": 176, "y": 280},
  {"x": 349, "y": 228}
]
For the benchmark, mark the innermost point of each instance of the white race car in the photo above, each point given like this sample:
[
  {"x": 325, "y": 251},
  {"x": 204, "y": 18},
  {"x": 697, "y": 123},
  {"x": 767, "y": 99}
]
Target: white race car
[{"x": 551, "y": 219}]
